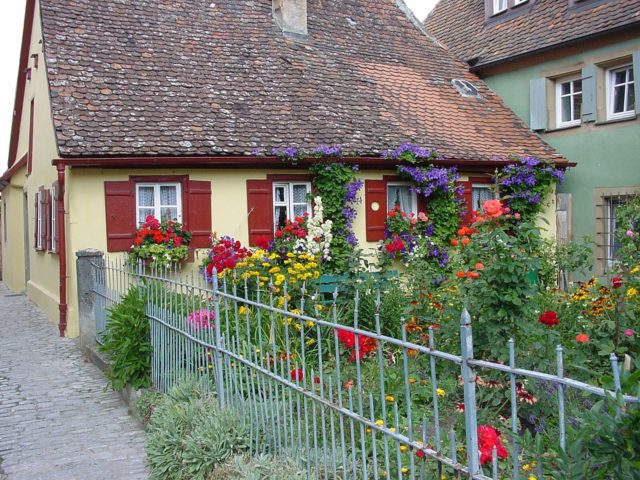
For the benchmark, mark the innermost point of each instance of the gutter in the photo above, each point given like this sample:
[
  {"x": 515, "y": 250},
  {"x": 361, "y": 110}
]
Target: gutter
[
  {"x": 365, "y": 163},
  {"x": 62, "y": 251},
  {"x": 574, "y": 41}
]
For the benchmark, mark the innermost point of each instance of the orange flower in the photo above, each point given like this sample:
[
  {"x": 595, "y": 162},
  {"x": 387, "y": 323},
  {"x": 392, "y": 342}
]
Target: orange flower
[
  {"x": 466, "y": 241},
  {"x": 479, "y": 266},
  {"x": 462, "y": 232},
  {"x": 475, "y": 275},
  {"x": 460, "y": 274},
  {"x": 493, "y": 208},
  {"x": 582, "y": 338},
  {"x": 454, "y": 242},
  {"x": 469, "y": 274}
]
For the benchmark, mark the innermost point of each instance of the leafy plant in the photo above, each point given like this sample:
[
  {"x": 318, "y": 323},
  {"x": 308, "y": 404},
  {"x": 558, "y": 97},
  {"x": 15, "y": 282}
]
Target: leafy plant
[
  {"x": 126, "y": 340},
  {"x": 162, "y": 243},
  {"x": 261, "y": 467}
]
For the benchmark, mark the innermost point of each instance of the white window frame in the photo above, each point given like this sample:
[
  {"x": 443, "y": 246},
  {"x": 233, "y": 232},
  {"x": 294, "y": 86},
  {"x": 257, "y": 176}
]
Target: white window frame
[
  {"x": 630, "y": 111},
  {"x": 288, "y": 202},
  {"x": 156, "y": 199},
  {"x": 39, "y": 225},
  {"x": 414, "y": 196},
  {"x": 496, "y": 6},
  {"x": 519, "y": 2},
  {"x": 576, "y": 120}
]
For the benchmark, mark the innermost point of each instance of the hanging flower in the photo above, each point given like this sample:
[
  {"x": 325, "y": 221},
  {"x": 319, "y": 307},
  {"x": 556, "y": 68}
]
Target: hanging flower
[{"x": 549, "y": 318}]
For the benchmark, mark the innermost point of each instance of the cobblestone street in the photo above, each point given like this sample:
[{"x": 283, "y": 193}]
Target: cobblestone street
[{"x": 58, "y": 417}]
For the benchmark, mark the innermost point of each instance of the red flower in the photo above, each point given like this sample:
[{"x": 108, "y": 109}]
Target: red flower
[
  {"x": 460, "y": 274},
  {"x": 454, "y": 242},
  {"x": 279, "y": 233},
  {"x": 297, "y": 374},
  {"x": 262, "y": 242},
  {"x": 616, "y": 282},
  {"x": 488, "y": 437},
  {"x": 479, "y": 266},
  {"x": 466, "y": 241},
  {"x": 582, "y": 338},
  {"x": 316, "y": 379},
  {"x": 549, "y": 318},
  {"x": 347, "y": 338}
]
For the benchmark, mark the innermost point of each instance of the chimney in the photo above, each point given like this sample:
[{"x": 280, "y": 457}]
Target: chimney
[{"x": 291, "y": 15}]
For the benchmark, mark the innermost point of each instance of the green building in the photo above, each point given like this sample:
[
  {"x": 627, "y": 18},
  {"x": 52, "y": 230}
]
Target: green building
[{"x": 569, "y": 69}]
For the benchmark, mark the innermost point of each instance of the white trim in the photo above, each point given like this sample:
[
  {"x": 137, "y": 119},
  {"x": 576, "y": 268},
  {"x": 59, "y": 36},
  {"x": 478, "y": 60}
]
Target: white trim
[
  {"x": 288, "y": 203},
  {"x": 629, "y": 84},
  {"x": 519, "y": 2},
  {"x": 496, "y": 6},
  {"x": 157, "y": 206},
  {"x": 414, "y": 197},
  {"x": 576, "y": 116}
]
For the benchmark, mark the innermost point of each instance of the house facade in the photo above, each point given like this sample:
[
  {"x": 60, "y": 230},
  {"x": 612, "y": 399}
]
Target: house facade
[
  {"x": 569, "y": 69},
  {"x": 181, "y": 110}
]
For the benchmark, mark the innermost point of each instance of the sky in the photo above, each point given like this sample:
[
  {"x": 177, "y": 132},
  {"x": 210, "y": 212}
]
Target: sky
[{"x": 11, "y": 23}]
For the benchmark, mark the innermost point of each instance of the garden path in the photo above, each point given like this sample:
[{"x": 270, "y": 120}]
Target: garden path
[{"x": 59, "y": 420}]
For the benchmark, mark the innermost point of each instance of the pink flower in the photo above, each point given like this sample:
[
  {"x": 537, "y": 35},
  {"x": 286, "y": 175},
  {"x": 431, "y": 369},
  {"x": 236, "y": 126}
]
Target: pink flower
[
  {"x": 201, "y": 319},
  {"x": 517, "y": 216},
  {"x": 422, "y": 217},
  {"x": 493, "y": 208},
  {"x": 629, "y": 332},
  {"x": 630, "y": 234}
]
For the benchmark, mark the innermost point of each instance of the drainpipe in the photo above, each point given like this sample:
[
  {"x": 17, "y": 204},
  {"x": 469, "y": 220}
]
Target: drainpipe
[{"x": 62, "y": 250}]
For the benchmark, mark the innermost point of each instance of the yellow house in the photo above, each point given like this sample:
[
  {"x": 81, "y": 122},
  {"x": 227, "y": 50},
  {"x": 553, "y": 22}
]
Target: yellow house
[{"x": 126, "y": 108}]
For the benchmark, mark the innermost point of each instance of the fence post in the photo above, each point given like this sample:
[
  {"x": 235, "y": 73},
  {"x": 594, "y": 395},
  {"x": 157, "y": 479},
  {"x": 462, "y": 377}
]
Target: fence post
[
  {"x": 85, "y": 284},
  {"x": 469, "y": 383},
  {"x": 218, "y": 324}
]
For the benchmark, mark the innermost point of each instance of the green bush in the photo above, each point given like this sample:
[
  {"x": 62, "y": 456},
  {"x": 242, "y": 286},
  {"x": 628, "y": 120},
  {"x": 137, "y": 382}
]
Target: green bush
[
  {"x": 263, "y": 467},
  {"x": 126, "y": 340},
  {"x": 188, "y": 435}
]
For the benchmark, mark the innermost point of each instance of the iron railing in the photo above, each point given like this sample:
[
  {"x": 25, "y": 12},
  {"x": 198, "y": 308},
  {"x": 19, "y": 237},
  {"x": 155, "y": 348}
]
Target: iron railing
[{"x": 284, "y": 368}]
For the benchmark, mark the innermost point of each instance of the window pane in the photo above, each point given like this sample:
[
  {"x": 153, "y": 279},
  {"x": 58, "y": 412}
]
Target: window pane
[
  {"x": 280, "y": 217},
  {"x": 577, "y": 106},
  {"x": 566, "y": 109},
  {"x": 566, "y": 88},
  {"x": 620, "y": 77},
  {"x": 279, "y": 194},
  {"x": 618, "y": 99},
  {"x": 299, "y": 210},
  {"x": 577, "y": 86},
  {"x": 630, "y": 74},
  {"x": 299, "y": 194},
  {"x": 479, "y": 195},
  {"x": 401, "y": 196},
  {"x": 631, "y": 98},
  {"x": 168, "y": 195},
  {"x": 169, "y": 213},
  {"x": 145, "y": 196},
  {"x": 143, "y": 213}
]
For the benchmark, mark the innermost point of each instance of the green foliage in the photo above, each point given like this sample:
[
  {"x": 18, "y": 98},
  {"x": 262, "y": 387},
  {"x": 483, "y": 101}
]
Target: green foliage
[
  {"x": 261, "y": 467},
  {"x": 146, "y": 404},
  {"x": 335, "y": 183},
  {"x": 188, "y": 435},
  {"x": 628, "y": 232},
  {"x": 556, "y": 258},
  {"x": 126, "y": 340}
]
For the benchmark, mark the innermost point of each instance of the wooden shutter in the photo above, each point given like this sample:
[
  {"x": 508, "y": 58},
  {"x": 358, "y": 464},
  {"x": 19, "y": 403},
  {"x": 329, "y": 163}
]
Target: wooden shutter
[
  {"x": 375, "y": 194},
  {"x": 46, "y": 220},
  {"x": 636, "y": 76},
  {"x": 36, "y": 230},
  {"x": 259, "y": 209},
  {"x": 589, "y": 93},
  {"x": 467, "y": 197},
  {"x": 120, "y": 206},
  {"x": 54, "y": 212},
  {"x": 198, "y": 213},
  {"x": 538, "y": 103}
]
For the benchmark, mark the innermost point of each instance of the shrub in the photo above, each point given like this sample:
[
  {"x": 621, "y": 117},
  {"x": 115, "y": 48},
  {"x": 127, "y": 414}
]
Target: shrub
[
  {"x": 262, "y": 467},
  {"x": 188, "y": 435},
  {"x": 126, "y": 340}
]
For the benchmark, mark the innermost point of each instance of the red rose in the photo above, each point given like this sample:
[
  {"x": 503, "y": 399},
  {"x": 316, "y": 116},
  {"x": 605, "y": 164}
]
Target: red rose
[
  {"x": 549, "y": 318},
  {"x": 616, "y": 282},
  {"x": 493, "y": 208},
  {"x": 582, "y": 338}
]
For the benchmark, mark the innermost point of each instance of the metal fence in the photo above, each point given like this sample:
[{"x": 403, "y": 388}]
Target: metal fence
[{"x": 348, "y": 402}]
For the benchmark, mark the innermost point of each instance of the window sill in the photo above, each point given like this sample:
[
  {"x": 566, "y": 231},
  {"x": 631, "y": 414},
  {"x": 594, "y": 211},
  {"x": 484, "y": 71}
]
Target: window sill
[
  {"x": 628, "y": 118},
  {"x": 562, "y": 129}
]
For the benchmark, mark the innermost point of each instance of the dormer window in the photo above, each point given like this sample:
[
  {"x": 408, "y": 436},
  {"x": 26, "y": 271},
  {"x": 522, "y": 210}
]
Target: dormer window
[{"x": 495, "y": 7}]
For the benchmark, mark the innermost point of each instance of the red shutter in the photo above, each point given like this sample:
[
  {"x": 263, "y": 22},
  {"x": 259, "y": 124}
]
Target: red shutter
[
  {"x": 198, "y": 213},
  {"x": 260, "y": 209},
  {"x": 423, "y": 206},
  {"x": 36, "y": 230},
  {"x": 120, "y": 206},
  {"x": 467, "y": 196},
  {"x": 375, "y": 193}
]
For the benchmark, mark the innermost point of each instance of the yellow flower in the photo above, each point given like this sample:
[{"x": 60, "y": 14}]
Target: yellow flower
[
  {"x": 296, "y": 311},
  {"x": 635, "y": 270},
  {"x": 274, "y": 270},
  {"x": 392, "y": 429},
  {"x": 526, "y": 467},
  {"x": 310, "y": 323},
  {"x": 632, "y": 292},
  {"x": 266, "y": 264},
  {"x": 532, "y": 477},
  {"x": 380, "y": 423},
  {"x": 440, "y": 392},
  {"x": 310, "y": 342},
  {"x": 412, "y": 380},
  {"x": 243, "y": 310},
  {"x": 368, "y": 430},
  {"x": 403, "y": 448},
  {"x": 389, "y": 398},
  {"x": 443, "y": 477},
  {"x": 320, "y": 308},
  {"x": 404, "y": 470},
  {"x": 297, "y": 326}
]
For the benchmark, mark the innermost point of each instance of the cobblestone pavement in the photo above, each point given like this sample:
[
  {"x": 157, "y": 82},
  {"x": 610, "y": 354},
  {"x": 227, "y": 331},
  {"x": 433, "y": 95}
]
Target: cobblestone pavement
[{"x": 58, "y": 418}]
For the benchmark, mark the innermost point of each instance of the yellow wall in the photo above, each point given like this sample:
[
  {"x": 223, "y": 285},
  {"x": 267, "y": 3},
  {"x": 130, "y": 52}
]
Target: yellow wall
[{"x": 43, "y": 285}]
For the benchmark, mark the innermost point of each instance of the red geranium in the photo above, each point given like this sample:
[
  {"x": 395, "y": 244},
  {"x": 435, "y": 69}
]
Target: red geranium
[
  {"x": 549, "y": 318},
  {"x": 297, "y": 374},
  {"x": 366, "y": 345},
  {"x": 489, "y": 437}
]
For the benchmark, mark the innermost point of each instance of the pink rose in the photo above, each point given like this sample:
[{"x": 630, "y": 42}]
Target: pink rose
[
  {"x": 493, "y": 208},
  {"x": 629, "y": 332}
]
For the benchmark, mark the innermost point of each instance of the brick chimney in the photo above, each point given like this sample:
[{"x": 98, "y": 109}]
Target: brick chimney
[{"x": 291, "y": 15}]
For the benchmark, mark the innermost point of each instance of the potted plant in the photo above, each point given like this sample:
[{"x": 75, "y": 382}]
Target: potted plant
[{"x": 160, "y": 244}]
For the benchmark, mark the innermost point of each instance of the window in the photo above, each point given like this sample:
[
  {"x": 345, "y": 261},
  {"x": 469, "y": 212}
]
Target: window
[
  {"x": 480, "y": 193},
  {"x": 495, "y": 7},
  {"x": 290, "y": 200},
  {"x": 620, "y": 92},
  {"x": 568, "y": 101},
  {"x": 499, "y": 6},
  {"x": 161, "y": 200},
  {"x": 39, "y": 224},
  {"x": 401, "y": 195}
]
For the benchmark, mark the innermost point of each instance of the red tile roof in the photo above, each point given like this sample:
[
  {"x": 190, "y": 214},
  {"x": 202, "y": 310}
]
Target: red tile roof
[
  {"x": 542, "y": 24},
  {"x": 196, "y": 77}
]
